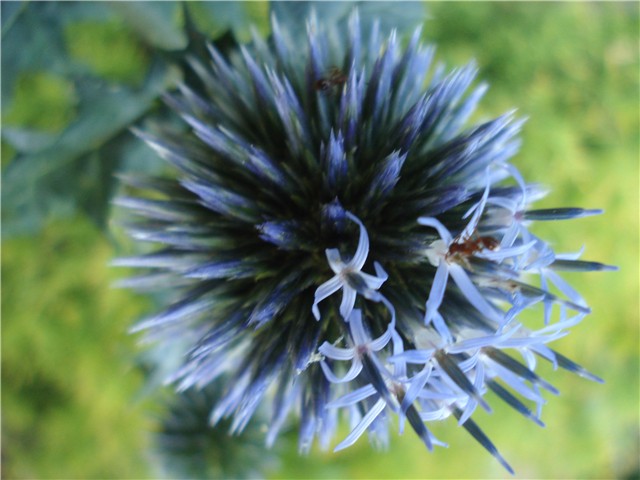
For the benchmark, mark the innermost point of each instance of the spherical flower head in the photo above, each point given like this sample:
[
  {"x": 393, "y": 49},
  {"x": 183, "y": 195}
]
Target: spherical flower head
[{"x": 336, "y": 238}]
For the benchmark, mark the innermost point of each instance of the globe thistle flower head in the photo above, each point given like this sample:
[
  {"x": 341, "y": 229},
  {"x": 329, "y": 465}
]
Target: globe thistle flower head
[{"x": 338, "y": 239}]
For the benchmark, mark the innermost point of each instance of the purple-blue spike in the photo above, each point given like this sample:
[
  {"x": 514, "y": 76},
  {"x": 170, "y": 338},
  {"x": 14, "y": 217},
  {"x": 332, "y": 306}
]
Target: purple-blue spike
[
  {"x": 580, "y": 266},
  {"x": 518, "y": 368},
  {"x": 559, "y": 213},
  {"x": 513, "y": 401},
  {"x": 471, "y": 427}
]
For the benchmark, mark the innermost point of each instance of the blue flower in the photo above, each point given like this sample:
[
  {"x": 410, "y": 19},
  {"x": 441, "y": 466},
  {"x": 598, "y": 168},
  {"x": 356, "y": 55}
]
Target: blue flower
[
  {"x": 295, "y": 157},
  {"x": 349, "y": 277}
]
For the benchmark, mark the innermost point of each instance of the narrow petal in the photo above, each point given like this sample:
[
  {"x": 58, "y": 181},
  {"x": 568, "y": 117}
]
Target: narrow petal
[
  {"x": 437, "y": 292},
  {"x": 357, "y": 432},
  {"x": 358, "y": 332},
  {"x": 348, "y": 302},
  {"x": 325, "y": 290},
  {"x": 417, "y": 384},
  {"x": 504, "y": 253},
  {"x": 360, "y": 257},
  {"x": 435, "y": 223},
  {"x": 372, "y": 282},
  {"x": 564, "y": 287},
  {"x": 336, "y": 353},
  {"x": 352, "y": 398},
  {"x": 470, "y": 291},
  {"x": 353, "y": 372},
  {"x": 454, "y": 372},
  {"x": 477, "y": 210},
  {"x": 413, "y": 356},
  {"x": 442, "y": 329},
  {"x": 381, "y": 342},
  {"x": 334, "y": 259}
]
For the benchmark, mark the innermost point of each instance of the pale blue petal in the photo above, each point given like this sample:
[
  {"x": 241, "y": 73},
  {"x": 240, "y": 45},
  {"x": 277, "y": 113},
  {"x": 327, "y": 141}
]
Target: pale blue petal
[
  {"x": 348, "y": 302},
  {"x": 515, "y": 173},
  {"x": 372, "y": 282},
  {"x": 433, "y": 415},
  {"x": 478, "y": 210},
  {"x": 472, "y": 403},
  {"x": 510, "y": 235},
  {"x": 566, "y": 323},
  {"x": 548, "y": 304},
  {"x": 571, "y": 255},
  {"x": 485, "y": 341},
  {"x": 353, "y": 398},
  {"x": 529, "y": 359},
  {"x": 336, "y": 353},
  {"x": 325, "y": 290},
  {"x": 470, "y": 291},
  {"x": 504, "y": 253},
  {"x": 360, "y": 257},
  {"x": 399, "y": 367},
  {"x": 416, "y": 385},
  {"x": 445, "y": 235},
  {"x": 470, "y": 363},
  {"x": 362, "y": 426},
  {"x": 469, "y": 408},
  {"x": 381, "y": 342},
  {"x": 546, "y": 352},
  {"x": 442, "y": 329},
  {"x": 527, "y": 342},
  {"x": 437, "y": 292},
  {"x": 515, "y": 382},
  {"x": 392, "y": 311},
  {"x": 503, "y": 202},
  {"x": 564, "y": 287},
  {"x": 413, "y": 356},
  {"x": 358, "y": 333},
  {"x": 380, "y": 272},
  {"x": 354, "y": 370},
  {"x": 334, "y": 259}
]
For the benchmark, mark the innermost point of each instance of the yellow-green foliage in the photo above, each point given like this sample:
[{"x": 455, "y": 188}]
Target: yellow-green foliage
[
  {"x": 68, "y": 368},
  {"x": 41, "y": 100},
  {"x": 108, "y": 50}
]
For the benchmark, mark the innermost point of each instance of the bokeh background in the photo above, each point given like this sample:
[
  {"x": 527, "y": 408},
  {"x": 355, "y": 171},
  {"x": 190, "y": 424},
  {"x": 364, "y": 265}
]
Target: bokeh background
[{"x": 75, "y": 402}]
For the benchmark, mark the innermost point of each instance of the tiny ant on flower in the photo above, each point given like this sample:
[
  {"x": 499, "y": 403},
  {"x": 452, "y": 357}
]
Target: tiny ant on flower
[
  {"x": 466, "y": 247},
  {"x": 334, "y": 78}
]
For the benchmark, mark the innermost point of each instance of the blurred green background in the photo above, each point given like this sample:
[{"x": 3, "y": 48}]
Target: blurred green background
[{"x": 73, "y": 398}]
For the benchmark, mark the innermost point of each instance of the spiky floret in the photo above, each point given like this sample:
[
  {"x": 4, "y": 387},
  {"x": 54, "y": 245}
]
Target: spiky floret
[{"x": 302, "y": 169}]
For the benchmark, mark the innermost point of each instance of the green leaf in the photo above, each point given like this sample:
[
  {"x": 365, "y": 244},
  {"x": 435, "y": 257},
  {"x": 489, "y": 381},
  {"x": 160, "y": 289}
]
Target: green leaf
[
  {"x": 157, "y": 23},
  {"x": 41, "y": 101},
  {"x": 403, "y": 16},
  {"x": 108, "y": 49},
  {"x": 27, "y": 140},
  {"x": 216, "y": 18},
  {"x": 292, "y": 16},
  {"x": 31, "y": 42},
  {"x": 74, "y": 170},
  {"x": 10, "y": 12}
]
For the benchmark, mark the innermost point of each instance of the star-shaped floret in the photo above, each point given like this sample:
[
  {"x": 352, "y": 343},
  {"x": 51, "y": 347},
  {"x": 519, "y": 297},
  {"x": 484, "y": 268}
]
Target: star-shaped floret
[{"x": 349, "y": 276}]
